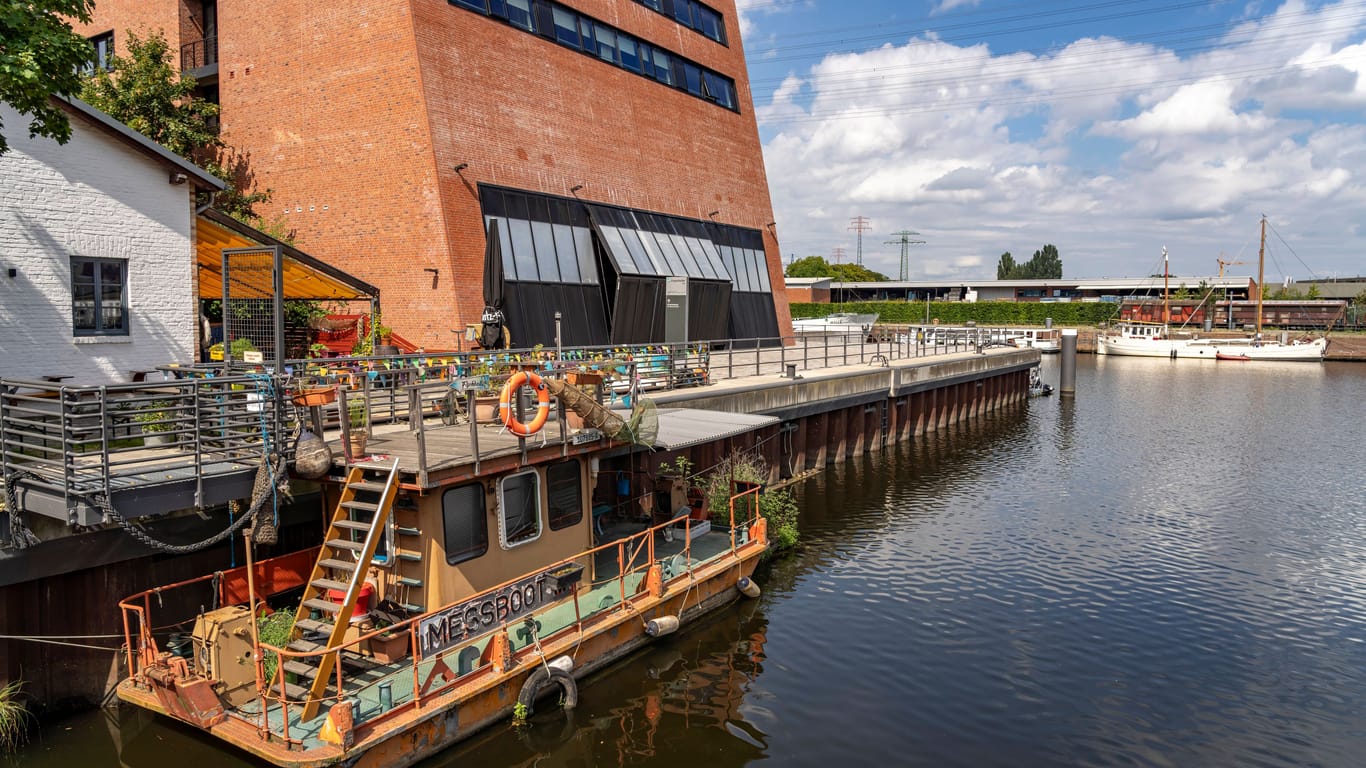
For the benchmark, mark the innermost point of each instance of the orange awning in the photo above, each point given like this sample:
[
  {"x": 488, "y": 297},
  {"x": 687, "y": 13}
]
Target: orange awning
[{"x": 304, "y": 276}]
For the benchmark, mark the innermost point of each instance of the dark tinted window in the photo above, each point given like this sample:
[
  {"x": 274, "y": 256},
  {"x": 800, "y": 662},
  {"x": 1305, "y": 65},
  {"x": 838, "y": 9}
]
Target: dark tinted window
[
  {"x": 564, "y": 491},
  {"x": 465, "y": 527}
]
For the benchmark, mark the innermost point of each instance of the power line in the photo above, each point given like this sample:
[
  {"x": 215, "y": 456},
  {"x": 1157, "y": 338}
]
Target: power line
[
  {"x": 860, "y": 224},
  {"x": 904, "y": 239}
]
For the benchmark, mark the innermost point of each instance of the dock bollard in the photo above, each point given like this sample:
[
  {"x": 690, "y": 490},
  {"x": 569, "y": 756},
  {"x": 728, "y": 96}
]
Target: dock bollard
[
  {"x": 1067, "y": 379},
  {"x": 386, "y": 695}
]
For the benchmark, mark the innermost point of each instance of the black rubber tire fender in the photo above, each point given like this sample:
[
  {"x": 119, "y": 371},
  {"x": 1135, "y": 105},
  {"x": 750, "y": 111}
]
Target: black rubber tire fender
[{"x": 545, "y": 676}]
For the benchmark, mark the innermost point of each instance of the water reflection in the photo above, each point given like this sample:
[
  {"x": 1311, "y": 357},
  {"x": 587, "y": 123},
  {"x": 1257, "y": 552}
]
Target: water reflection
[{"x": 678, "y": 702}]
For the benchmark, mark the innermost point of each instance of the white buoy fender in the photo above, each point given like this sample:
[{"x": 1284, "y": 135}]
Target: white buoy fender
[
  {"x": 564, "y": 662},
  {"x": 747, "y": 587},
  {"x": 661, "y": 626}
]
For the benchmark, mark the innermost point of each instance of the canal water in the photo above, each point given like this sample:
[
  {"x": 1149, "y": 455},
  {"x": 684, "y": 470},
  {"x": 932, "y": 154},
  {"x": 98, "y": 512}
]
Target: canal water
[{"x": 1168, "y": 570}]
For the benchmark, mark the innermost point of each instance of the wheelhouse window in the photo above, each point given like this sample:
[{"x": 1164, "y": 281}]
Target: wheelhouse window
[
  {"x": 519, "y": 509},
  {"x": 465, "y": 528},
  {"x": 99, "y": 297},
  {"x": 564, "y": 491}
]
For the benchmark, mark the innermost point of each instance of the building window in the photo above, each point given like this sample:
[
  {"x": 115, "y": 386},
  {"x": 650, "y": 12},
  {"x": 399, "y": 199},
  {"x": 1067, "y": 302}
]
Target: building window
[
  {"x": 564, "y": 490},
  {"x": 693, "y": 15},
  {"x": 465, "y": 528},
  {"x": 572, "y": 29},
  {"x": 519, "y": 509},
  {"x": 99, "y": 297},
  {"x": 103, "y": 57}
]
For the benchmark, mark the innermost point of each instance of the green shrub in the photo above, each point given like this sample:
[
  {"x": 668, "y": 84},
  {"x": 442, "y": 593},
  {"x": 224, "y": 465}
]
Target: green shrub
[
  {"x": 986, "y": 313},
  {"x": 779, "y": 508},
  {"x": 275, "y": 629}
]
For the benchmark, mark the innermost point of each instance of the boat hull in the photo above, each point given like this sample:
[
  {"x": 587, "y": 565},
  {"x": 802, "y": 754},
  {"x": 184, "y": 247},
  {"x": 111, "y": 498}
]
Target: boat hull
[{"x": 1307, "y": 352}]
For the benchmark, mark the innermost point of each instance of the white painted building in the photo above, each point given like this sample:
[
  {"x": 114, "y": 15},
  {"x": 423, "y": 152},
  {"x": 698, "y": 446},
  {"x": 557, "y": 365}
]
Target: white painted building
[{"x": 97, "y": 257}]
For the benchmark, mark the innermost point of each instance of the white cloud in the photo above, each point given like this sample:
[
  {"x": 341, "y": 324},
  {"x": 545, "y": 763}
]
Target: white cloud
[{"x": 1106, "y": 148}]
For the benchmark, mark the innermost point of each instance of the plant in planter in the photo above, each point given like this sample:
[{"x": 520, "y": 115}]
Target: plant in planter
[
  {"x": 158, "y": 423},
  {"x": 357, "y": 421}
]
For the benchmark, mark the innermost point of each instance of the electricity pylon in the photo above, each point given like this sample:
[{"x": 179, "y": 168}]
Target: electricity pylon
[
  {"x": 904, "y": 239},
  {"x": 860, "y": 224}
]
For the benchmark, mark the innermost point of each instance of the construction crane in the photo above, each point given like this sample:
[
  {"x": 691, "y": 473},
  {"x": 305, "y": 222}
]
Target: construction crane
[{"x": 1223, "y": 264}]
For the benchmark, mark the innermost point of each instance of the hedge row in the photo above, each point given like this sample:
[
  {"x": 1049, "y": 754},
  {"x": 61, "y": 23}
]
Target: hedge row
[{"x": 981, "y": 312}]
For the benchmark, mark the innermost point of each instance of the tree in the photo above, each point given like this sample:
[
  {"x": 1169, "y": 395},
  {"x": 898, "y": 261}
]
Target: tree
[
  {"x": 1045, "y": 265},
  {"x": 147, "y": 93},
  {"x": 857, "y": 273},
  {"x": 41, "y": 56},
  {"x": 1005, "y": 267},
  {"x": 810, "y": 266},
  {"x": 1314, "y": 293}
]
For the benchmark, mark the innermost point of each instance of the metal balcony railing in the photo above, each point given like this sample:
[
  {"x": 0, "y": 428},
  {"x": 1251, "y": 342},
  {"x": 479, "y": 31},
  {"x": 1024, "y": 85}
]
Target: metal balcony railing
[{"x": 199, "y": 53}]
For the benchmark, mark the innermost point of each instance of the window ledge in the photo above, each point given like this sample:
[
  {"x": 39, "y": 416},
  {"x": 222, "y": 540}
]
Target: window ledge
[{"x": 101, "y": 340}]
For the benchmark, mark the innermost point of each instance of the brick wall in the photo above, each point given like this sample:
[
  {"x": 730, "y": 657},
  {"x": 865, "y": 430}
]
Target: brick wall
[
  {"x": 356, "y": 113},
  {"x": 94, "y": 196}
]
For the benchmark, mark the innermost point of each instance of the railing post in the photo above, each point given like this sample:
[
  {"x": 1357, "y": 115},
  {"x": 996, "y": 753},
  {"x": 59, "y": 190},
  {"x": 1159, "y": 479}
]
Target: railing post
[{"x": 757, "y": 369}]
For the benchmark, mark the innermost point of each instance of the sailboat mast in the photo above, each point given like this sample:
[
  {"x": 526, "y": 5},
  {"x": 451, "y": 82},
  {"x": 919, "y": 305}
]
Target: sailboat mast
[
  {"x": 1166, "y": 304},
  {"x": 1261, "y": 263}
]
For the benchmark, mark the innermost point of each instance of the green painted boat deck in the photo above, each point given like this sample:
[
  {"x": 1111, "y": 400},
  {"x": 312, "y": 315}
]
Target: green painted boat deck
[{"x": 364, "y": 676}]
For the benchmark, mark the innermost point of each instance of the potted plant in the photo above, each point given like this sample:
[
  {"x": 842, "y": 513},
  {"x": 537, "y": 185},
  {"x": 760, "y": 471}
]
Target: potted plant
[
  {"x": 158, "y": 425},
  {"x": 388, "y": 647},
  {"x": 356, "y": 419}
]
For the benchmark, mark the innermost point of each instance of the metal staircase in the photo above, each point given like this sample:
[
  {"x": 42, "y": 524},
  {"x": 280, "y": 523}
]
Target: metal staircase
[{"x": 358, "y": 526}]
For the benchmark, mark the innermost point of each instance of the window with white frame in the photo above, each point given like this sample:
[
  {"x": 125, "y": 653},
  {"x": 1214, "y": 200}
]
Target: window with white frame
[
  {"x": 99, "y": 297},
  {"x": 519, "y": 508}
]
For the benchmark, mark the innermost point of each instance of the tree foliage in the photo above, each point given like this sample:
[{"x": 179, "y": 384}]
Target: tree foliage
[
  {"x": 41, "y": 56},
  {"x": 1044, "y": 265},
  {"x": 817, "y": 266},
  {"x": 1005, "y": 266},
  {"x": 146, "y": 92}
]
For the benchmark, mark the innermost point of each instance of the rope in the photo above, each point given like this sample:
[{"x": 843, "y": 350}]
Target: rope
[
  {"x": 47, "y": 641},
  {"x": 19, "y": 534},
  {"x": 141, "y": 535}
]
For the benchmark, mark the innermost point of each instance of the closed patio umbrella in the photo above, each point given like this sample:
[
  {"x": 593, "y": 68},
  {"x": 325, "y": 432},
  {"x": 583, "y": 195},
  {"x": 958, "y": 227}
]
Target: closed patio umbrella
[{"x": 493, "y": 334}]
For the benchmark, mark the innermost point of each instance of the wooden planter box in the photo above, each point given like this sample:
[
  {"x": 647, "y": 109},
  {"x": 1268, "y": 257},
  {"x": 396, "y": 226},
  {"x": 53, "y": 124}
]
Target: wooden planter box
[
  {"x": 564, "y": 578},
  {"x": 584, "y": 378},
  {"x": 311, "y": 396},
  {"x": 389, "y": 648}
]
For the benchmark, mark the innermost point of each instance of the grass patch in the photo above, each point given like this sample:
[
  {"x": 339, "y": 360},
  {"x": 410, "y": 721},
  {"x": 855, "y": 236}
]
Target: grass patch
[
  {"x": 14, "y": 717},
  {"x": 275, "y": 630}
]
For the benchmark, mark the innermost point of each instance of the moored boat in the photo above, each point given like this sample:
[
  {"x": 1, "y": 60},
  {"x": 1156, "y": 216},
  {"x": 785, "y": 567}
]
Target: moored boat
[
  {"x": 443, "y": 602},
  {"x": 846, "y": 324}
]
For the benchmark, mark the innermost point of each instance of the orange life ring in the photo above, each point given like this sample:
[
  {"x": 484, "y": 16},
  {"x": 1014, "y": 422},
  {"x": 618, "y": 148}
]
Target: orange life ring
[{"x": 542, "y": 404}]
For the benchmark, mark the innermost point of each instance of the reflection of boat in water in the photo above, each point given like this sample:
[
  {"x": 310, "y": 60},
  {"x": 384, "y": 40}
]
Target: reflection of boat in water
[
  {"x": 837, "y": 324},
  {"x": 1036, "y": 386}
]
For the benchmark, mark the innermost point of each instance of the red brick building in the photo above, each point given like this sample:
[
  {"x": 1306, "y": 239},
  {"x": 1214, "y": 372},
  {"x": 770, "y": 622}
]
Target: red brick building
[{"x": 612, "y": 143}]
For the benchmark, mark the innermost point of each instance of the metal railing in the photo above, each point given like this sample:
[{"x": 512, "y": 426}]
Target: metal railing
[
  {"x": 82, "y": 440},
  {"x": 199, "y": 53}
]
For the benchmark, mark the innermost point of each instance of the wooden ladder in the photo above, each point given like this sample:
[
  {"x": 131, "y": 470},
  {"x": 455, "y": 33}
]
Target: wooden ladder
[{"x": 357, "y": 526}]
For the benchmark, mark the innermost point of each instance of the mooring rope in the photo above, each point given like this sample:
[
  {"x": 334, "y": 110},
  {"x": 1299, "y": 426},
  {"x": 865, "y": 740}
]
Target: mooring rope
[
  {"x": 102, "y": 502},
  {"x": 19, "y": 535}
]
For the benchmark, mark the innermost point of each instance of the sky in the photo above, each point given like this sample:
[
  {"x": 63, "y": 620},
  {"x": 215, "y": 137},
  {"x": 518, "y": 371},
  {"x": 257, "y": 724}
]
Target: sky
[{"x": 1109, "y": 128}]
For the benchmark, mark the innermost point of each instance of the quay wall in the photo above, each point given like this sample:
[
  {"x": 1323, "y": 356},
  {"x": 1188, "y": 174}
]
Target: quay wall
[
  {"x": 827, "y": 416},
  {"x": 841, "y": 413}
]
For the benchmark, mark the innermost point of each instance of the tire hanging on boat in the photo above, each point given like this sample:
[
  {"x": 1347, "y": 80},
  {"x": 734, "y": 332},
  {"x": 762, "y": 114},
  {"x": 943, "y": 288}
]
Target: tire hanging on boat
[{"x": 543, "y": 677}]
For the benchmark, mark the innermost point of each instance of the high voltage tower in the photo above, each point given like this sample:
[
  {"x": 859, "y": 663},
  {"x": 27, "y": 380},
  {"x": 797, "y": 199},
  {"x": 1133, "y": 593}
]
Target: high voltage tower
[
  {"x": 904, "y": 239},
  {"x": 838, "y": 253},
  {"x": 860, "y": 224}
]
